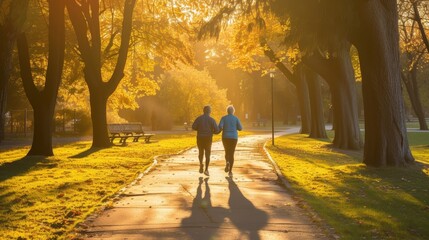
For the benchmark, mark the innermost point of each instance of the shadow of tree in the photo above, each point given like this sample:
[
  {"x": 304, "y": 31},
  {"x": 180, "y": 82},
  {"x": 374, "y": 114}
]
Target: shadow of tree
[
  {"x": 86, "y": 153},
  {"x": 10, "y": 169},
  {"x": 384, "y": 204}
]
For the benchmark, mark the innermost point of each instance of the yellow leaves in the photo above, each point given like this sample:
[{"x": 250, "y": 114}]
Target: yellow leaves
[
  {"x": 185, "y": 90},
  {"x": 356, "y": 63},
  {"x": 248, "y": 53}
]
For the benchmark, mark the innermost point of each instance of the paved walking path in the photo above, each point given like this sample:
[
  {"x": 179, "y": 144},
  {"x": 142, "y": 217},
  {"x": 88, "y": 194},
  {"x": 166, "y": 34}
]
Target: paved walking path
[{"x": 175, "y": 201}]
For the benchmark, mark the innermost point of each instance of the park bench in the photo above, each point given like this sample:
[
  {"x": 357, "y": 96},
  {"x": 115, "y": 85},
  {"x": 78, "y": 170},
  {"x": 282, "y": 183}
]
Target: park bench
[
  {"x": 123, "y": 131},
  {"x": 187, "y": 126},
  {"x": 259, "y": 123}
]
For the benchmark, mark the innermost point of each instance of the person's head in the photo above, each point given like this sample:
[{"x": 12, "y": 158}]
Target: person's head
[
  {"x": 207, "y": 109},
  {"x": 230, "y": 109}
]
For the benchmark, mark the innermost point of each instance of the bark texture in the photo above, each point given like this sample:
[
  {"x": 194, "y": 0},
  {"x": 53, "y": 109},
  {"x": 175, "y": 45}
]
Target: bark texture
[
  {"x": 43, "y": 101},
  {"x": 304, "y": 101},
  {"x": 86, "y": 22},
  {"x": 339, "y": 74},
  {"x": 316, "y": 106},
  {"x": 98, "y": 103},
  {"x": 377, "y": 41}
]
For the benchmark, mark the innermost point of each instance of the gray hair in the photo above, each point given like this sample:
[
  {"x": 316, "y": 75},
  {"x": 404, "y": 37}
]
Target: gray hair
[{"x": 230, "y": 109}]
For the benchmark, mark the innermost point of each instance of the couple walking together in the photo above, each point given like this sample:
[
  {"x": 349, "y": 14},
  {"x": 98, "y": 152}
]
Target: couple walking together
[{"x": 206, "y": 126}]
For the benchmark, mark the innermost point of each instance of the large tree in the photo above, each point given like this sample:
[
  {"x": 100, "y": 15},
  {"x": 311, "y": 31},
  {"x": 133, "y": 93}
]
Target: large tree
[
  {"x": 330, "y": 58},
  {"x": 43, "y": 100},
  {"x": 316, "y": 105},
  {"x": 12, "y": 17},
  {"x": 372, "y": 26},
  {"x": 337, "y": 70},
  {"x": 377, "y": 39},
  {"x": 85, "y": 17},
  {"x": 253, "y": 40}
]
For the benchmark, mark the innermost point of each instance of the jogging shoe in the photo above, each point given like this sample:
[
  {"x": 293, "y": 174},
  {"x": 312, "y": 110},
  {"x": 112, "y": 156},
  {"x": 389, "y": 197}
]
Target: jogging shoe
[
  {"x": 230, "y": 174},
  {"x": 201, "y": 168},
  {"x": 207, "y": 173}
]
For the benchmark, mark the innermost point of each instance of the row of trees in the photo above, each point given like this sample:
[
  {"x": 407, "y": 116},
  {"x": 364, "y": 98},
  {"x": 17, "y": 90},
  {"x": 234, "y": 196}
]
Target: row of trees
[
  {"x": 93, "y": 44},
  {"x": 307, "y": 41},
  {"x": 315, "y": 39}
]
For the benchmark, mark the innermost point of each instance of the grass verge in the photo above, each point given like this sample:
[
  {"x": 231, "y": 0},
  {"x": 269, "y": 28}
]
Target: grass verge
[
  {"x": 44, "y": 198},
  {"x": 357, "y": 201}
]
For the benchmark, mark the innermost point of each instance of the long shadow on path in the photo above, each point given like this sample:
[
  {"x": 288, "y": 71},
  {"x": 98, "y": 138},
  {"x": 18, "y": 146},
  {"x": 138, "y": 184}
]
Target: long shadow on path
[
  {"x": 205, "y": 220},
  {"x": 201, "y": 223},
  {"x": 243, "y": 214}
]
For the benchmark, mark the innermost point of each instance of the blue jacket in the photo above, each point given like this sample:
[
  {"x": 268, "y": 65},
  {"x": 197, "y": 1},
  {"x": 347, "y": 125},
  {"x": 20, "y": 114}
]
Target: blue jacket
[
  {"x": 205, "y": 126},
  {"x": 229, "y": 124}
]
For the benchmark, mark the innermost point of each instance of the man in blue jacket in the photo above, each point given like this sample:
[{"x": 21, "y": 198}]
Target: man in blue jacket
[{"x": 205, "y": 126}]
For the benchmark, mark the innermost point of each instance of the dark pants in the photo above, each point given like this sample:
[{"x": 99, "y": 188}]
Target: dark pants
[
  {"x": 229, "y": 145},
  {"x": 204, "y": 148}
]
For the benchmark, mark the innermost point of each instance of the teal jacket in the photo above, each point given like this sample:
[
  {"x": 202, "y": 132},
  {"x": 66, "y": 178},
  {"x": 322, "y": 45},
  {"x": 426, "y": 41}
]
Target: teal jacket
[{"x": 229, "y": 125}]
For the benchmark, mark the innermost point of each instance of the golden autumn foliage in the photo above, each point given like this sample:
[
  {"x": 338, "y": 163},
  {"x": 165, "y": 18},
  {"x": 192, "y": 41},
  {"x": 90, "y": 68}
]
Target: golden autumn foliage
[{"x": 186, "y": 90}]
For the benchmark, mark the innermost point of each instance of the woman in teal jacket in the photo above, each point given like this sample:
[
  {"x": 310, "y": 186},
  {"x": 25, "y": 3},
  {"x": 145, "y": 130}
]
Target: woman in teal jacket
[{"x": 229, "y": 125}]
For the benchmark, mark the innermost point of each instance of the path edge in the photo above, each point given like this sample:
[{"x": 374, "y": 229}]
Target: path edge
[
  {"x": 322, "y": 224},
  {"x": 79, "y": 229}
]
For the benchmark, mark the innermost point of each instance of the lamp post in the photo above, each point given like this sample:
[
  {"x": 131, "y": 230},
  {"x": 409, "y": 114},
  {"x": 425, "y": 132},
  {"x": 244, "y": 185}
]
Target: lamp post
[{"x": 272, "y": 105}]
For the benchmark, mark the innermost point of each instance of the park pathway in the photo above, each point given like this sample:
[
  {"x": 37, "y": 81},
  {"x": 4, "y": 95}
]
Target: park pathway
[{"x": 175, "y": 201}]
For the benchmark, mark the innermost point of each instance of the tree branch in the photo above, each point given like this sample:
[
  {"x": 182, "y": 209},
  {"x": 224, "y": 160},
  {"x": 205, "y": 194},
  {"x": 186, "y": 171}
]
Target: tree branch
[
  {"x": 418, "y": 19},
  {"x": 319, "y": 64},
  {"x": 127, "y": 22},
  {"x": 80, "y": 27},
  {"x": 111, "y": 40},
  {"x": 24, "y": 62},
  {"x": 268, "y": 51},
  {"x": 56, "y": 47},
  {"x": 94, "y": 27}
]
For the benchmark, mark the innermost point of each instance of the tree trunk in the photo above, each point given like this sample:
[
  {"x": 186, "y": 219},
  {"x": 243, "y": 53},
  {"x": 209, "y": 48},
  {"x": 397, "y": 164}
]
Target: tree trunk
[
  {"x": 344, "y": 103},
  {"x": 316, "y": 106},
  {"x": 410, "y": 81},
  {"x": 43, "y": 128},
  {"x": 304, "y": 104},
  {"x": 339, "y": 73},
  {"x": 6, "y": 46},
  {"x": 345, "y": 122},
  {"x": 90, "y": 50},
  {"x": 98, "y": 102},
  {"x": 44, "y": 101},
  {"x": 377, "y": 41}
]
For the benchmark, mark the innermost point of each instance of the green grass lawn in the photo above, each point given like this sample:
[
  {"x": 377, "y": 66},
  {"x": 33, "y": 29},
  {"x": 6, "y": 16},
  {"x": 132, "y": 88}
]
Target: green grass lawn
[
  {"x": 357, "y": 201},
  {"x": 412, "y": 124},
  {"x": 44, "y": 198}
]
